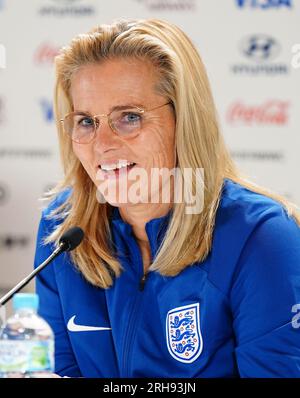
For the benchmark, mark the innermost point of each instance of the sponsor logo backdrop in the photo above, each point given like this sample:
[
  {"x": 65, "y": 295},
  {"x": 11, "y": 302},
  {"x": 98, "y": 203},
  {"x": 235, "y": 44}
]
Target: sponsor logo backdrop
[{"x": 247, "y": 46}]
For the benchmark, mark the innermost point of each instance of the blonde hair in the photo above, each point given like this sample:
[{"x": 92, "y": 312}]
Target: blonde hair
[{"x": 199, "y": 144}]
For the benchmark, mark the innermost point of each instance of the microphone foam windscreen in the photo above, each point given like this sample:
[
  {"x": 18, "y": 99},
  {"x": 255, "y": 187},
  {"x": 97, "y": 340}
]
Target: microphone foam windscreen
[{"x": 71, "y": 238}]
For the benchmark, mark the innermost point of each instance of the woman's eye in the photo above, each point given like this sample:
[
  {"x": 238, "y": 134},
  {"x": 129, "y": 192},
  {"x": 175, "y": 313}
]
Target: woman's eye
[
  {"x": 132, "y": 117},
  {"x": 86, "y": 122}
]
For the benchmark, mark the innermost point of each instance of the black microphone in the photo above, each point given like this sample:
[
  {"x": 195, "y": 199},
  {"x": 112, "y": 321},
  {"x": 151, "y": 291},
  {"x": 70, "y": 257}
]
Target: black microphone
[{"x": 69, "y": 241}]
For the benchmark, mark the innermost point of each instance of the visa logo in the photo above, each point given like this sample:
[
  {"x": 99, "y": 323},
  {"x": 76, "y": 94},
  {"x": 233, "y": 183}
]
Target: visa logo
[
  {"x": 264, "y": 4},
  {"x": 47, "y": 110}
]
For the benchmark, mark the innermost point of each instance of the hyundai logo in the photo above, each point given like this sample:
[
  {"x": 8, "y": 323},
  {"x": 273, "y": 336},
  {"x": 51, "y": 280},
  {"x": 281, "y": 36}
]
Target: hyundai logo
[{"x": 260, "y": 47}]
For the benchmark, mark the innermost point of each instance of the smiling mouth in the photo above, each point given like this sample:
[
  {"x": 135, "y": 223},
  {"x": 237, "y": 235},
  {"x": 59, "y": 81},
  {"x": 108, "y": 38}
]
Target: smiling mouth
[{"x": 116, "y": 169}]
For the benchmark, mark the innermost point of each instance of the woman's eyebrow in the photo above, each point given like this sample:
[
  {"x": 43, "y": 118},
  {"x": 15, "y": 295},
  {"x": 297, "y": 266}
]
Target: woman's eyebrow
[
  {"x": 115, "y": 108},
  {"x": 129, "y": 105}
]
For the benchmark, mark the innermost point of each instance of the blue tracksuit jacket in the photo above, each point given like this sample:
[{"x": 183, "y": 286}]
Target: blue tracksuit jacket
[{"x": 237, "y": 314}]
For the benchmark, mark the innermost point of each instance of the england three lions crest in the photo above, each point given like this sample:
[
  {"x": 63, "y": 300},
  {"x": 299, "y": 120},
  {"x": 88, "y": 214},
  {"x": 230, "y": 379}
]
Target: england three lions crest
[{"x": 183, "y": 333}]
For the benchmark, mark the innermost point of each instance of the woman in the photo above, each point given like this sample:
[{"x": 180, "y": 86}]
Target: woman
[{"x": 159, "y": 288}]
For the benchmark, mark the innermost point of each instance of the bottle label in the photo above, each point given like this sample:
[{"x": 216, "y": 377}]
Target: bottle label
[{"x": 26, "y": 356}]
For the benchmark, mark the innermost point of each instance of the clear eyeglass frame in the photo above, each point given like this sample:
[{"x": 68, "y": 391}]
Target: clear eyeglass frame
[{"x": 96, "y": 119}]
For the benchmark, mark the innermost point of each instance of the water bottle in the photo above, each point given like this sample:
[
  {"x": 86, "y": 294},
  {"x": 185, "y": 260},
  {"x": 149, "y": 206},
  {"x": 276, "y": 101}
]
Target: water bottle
[{"x": 26, "y": 341}]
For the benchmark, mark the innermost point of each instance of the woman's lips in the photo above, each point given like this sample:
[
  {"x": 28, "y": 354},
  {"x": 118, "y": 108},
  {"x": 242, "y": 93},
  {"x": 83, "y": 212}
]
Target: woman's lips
[{"x": 116, "y": 173}]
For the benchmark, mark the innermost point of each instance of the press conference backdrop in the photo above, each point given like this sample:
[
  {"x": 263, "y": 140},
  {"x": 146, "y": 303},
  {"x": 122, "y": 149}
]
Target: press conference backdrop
[{"x": 251, "y": 51}]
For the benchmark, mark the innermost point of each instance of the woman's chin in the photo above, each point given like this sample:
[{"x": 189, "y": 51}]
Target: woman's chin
[{"x": 121, "y": 202}]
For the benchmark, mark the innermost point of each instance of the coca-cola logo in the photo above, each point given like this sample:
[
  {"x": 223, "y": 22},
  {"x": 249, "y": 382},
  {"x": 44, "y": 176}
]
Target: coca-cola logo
[
  {"x": 45, "y": 54},
  {"x": 272, "y": 112}
]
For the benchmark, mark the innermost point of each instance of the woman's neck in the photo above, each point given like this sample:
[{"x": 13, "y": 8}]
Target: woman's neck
[{"x": 137, "y": 216}]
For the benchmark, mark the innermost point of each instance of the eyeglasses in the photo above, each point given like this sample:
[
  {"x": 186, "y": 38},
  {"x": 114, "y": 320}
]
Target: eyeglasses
[{"x": 126, "y": 122}]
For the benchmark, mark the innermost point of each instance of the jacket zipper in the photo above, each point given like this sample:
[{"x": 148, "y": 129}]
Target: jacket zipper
[
  {"x": 131, "y": 330},
  {"x": 129, "y": 337},
  {"x": 143, "y": 281}
]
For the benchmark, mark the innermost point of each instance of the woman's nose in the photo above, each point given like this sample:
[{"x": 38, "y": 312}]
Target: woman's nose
[{"x": 106, "y": 139}]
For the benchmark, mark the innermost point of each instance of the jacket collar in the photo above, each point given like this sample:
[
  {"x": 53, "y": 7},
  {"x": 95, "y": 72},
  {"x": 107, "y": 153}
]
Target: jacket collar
[{"x": 155, "y": 229}]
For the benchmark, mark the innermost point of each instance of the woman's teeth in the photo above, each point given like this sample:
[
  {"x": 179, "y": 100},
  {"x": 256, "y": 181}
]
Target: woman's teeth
[{"x": 110, "y": 167}]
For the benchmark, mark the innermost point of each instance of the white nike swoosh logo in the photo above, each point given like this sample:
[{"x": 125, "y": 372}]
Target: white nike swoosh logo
[{"x": 73, "y": 327}]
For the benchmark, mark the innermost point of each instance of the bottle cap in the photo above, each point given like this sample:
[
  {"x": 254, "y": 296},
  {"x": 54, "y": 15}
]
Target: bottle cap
[{"x": 25, "y": 300}]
